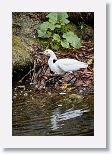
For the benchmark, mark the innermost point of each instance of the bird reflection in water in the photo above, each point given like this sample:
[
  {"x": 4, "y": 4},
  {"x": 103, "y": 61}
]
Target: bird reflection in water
[{"x": 58, "y": 117}]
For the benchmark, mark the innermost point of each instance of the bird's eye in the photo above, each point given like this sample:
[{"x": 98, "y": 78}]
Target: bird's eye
[{"x": 48, "y": 54}]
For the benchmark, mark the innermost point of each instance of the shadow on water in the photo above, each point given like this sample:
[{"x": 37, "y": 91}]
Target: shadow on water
[{"x": 48, "y": 113}]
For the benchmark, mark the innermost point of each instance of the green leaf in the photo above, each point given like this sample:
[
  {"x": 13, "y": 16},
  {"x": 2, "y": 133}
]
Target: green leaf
[
  {"x": 44, "y": 26},
  {"x": 65, "y": 44},
  {"x": 52, "y": 17},
  {"x": 47, "y": 25},
  {"x": 44, "y": 34},
  {"x": 51, "y": 26},
  {"x": 41, "y": 33},
  {"x": 48, "y": 34},
  {"x": 62, "y": 18},
  {"x": 58, "y": 17},
  {"x": 65, "y": 21},
  {"x": 76, "y": 43},
  {"x": 72, "y": 39},
  {"x": 56, "y": 38},
  {"x": 62, "y": 15},
  {"x": 57, "y": 26}
]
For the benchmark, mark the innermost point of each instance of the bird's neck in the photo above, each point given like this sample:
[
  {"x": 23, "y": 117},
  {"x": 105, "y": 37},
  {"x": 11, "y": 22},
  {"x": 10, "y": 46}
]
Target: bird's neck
[
  {"x": 53, "y": 56},
  {"x": 51, "y": 61}
]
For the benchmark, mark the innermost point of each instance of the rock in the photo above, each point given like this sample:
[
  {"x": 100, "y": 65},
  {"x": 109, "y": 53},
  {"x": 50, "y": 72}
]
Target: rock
[
  {"x": 25, "y": 24},
  {"x": 24, "y": 27},
  {"x": 20, "y": 52}
]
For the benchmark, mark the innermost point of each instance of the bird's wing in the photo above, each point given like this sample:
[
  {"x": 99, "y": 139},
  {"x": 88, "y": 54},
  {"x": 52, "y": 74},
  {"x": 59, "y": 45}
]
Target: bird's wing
[{"x": 70, "y": 64}]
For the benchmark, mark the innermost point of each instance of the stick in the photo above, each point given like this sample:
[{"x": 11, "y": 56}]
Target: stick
[{"x": 26, "y": 75}]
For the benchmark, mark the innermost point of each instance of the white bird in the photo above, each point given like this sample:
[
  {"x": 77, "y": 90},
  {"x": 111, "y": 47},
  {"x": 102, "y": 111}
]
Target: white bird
[{"x": 61, "y": 66}]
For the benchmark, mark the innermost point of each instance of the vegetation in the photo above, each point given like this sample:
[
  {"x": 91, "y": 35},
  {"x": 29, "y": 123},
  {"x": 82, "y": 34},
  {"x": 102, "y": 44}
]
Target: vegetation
[{"x": 57, "y": 32}]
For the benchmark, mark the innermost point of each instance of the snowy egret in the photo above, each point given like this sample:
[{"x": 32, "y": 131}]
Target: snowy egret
[{"x": 61, "y": 66}]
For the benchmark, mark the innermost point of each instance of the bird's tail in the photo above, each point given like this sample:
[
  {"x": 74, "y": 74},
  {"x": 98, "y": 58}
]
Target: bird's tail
[{"x": 85, "y": 65}]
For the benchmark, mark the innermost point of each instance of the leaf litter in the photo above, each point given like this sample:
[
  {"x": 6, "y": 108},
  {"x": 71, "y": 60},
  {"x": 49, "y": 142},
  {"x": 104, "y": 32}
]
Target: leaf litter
[{"x": 79, "y": 82}]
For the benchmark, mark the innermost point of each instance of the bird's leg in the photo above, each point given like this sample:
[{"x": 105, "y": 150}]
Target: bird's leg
[
  {"x": 69, "y": 82},
  {"x": 71, "y": 79}
]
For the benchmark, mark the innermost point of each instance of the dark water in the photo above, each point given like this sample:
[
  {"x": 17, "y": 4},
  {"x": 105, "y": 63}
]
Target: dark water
[{"x": 48, "y": 113}]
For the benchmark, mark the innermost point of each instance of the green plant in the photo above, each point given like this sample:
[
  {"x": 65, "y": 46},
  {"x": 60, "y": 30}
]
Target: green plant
[
  {"x": 57, "y": 31},
  {"x": 82, "y": 25}
]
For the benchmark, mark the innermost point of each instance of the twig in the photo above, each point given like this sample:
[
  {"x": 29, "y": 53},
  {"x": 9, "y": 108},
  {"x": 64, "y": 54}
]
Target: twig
[{"x": 26, "y": 75}]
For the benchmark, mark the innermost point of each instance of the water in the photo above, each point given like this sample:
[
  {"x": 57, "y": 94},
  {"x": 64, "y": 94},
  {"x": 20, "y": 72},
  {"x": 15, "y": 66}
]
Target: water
[{"x": 49, "y": 113}]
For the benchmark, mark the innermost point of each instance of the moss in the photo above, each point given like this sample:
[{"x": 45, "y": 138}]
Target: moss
[{"x": 20, "y": 52}]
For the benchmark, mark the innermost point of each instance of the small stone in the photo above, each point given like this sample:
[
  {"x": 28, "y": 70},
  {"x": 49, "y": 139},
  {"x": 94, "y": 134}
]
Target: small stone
[
  {"x": 62, "y": 93},
  {"x": 60, "y": 105},
  {"x": 26, "y": 94},
  {"x": 49, "y": 93},
  {"x": 31, "y": 83}
]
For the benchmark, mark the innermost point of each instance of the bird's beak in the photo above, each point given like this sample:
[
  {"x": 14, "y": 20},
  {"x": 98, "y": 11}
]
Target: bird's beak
[
  {"x": 41, "y": 53},
  {"x": 44, "y": 52}
]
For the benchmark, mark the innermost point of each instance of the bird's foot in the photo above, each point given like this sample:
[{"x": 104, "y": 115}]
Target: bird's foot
[{"x": 65, "y": 86}]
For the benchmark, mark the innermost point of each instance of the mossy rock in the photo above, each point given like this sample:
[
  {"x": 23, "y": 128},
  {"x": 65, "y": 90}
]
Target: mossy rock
[
  {"x": 20, "y": 52},
  {"x": 26, "y": 23}
]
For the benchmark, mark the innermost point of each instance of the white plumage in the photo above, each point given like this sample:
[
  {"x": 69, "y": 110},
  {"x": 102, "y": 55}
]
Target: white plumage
[{"x": 61, "y": 66}]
